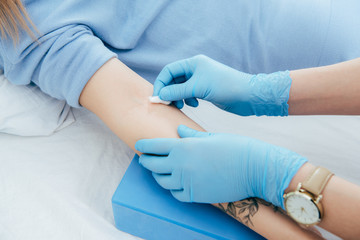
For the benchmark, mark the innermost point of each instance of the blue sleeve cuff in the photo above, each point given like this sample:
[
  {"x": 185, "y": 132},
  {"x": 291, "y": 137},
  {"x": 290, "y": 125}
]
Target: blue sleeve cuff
[
  {"x": 94, "y": 58},
  {"x": 72, "y": 61},
  {"x": 60, "y": 64}
]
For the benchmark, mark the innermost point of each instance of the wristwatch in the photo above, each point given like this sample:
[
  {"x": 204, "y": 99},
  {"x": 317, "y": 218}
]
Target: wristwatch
[{"x": 303, "y": 205}]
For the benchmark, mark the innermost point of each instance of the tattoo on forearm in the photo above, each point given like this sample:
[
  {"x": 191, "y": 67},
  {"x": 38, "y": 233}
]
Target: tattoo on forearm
[{"x": 244, "y": 210}]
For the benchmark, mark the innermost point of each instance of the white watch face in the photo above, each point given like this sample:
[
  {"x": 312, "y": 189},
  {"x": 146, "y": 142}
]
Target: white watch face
[{"x": 302, "y": 208}]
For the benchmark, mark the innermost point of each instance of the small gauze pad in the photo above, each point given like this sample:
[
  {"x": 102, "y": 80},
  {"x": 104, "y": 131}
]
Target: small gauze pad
[{"x": 156, "y": 99}]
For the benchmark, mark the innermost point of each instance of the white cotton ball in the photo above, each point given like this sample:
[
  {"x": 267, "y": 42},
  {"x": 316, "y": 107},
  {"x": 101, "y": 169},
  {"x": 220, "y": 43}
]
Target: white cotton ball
[{"x": 156, "y": 99}]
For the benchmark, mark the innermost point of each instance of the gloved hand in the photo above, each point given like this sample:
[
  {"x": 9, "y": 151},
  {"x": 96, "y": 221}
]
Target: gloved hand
[
  {"x": 229, "y": 89},
  {"x": 214, "y": 167}
]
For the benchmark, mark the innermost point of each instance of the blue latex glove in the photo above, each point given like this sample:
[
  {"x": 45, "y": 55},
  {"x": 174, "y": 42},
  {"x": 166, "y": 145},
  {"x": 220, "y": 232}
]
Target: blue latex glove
[
  {"x": 215, "y": 167},
  {"x": 229, "y": 89}
]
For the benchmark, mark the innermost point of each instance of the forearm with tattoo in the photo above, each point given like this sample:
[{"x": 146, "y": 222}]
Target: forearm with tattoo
[{"x": 245, "y": 210}]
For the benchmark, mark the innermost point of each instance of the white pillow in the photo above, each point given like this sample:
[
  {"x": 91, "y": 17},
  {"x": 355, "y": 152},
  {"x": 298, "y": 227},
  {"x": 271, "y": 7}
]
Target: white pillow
[{"x": 27, "y": 111}]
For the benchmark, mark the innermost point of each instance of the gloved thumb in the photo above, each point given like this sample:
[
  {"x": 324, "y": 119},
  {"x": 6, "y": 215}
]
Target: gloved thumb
[
  {"x": 185, "y": 132},
  {"x": 176, "y": 92}
]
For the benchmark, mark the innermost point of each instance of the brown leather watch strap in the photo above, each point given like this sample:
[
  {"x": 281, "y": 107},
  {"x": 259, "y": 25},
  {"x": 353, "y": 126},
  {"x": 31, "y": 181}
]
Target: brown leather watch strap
[{"x": 317, "y": 180}]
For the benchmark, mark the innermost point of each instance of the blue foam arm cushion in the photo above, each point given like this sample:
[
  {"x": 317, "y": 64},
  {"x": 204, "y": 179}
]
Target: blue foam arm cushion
[{"x": 144, "y": 209}]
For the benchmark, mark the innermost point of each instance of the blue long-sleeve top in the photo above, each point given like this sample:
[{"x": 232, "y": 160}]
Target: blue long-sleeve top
[{"x": 78, "y": 37}]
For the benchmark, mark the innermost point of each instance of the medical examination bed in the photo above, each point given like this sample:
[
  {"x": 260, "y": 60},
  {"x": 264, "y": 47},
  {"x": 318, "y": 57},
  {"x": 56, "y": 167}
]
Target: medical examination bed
[{"x": 59, "y": 167}]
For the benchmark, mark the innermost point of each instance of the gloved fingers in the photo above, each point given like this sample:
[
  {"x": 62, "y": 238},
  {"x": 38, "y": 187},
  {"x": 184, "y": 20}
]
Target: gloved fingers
[
  {"x": 156, "y": 164},
  {"x": 185, "y": 132},
  {"x": 168, "y": 182},
  {"x": 179, "y": 104},
  {"x": 193, "y": 102},
  {"x": 170, "y": 72},
  {"x": 177, "y": 92},
  {"x": 181, "y": 195},
  {"x": 156, "y": 146},
  {"x": 179, "y": 80}
]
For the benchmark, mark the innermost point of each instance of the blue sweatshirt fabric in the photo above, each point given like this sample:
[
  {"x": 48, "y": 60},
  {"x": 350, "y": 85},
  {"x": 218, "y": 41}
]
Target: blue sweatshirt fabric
[{"x": 78, "y": 37}]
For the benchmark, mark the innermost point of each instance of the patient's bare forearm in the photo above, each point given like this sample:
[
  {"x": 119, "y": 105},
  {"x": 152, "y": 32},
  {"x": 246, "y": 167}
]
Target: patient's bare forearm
[
  {"x": 330, "y": 90},
  {"x": 120, "y": 98}
]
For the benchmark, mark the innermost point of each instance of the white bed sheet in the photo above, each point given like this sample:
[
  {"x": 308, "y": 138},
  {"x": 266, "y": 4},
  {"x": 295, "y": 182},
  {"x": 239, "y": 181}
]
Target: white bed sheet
[{"x": 60, "y": 186}]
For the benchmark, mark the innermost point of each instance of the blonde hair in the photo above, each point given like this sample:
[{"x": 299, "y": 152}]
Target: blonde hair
[{"x": 13, "y": 17}]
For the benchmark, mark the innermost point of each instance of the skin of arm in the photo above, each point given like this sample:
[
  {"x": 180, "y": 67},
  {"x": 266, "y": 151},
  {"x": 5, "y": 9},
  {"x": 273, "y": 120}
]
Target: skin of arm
[
  {"x": 332, "y": 89},
  {"x": 119, "y": 97}
]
